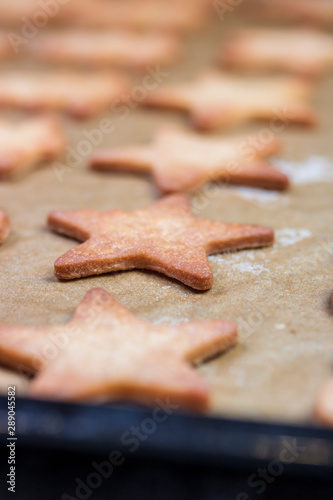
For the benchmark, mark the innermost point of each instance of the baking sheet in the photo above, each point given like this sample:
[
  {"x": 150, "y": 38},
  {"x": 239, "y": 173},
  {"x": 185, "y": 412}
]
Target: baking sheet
[{"x": 279, "y": 296}]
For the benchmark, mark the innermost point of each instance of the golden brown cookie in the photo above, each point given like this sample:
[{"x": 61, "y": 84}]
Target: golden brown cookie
[
  {"x": 180, "y": 161},
  {"x": 163, "y": 237},
  {"x": 27, "y": 143},
  {"x": 107, "y": 353},
  {"x": 78, "y": 94},
  {"x": 4, "y": 227},
  {"x": 301, "y": 51},
  {"x": 121, "y": 48},
  {"x": 219, "y": 100},
  {"x": 311, "y": 12},
  {"x": 159, "y": 15}
]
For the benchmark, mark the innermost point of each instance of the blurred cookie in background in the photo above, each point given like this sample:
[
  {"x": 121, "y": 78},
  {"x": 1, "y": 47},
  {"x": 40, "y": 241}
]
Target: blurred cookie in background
[
  {"x": 109, "y": 48},
  {"x": 78, "y": 94},
  {"x": 302, "y": 51}
]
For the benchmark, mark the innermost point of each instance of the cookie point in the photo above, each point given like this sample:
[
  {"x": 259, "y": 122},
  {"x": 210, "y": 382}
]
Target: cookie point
[
  {"x": 61, "y": 271},
  {"x": 266, "y": 234},
  {"x": 270, "y": 234},
  {"x": 52, "y": 217},
  {"x": 203, "y": 284},
  {"x": 100, "y": 293},
  {"x": 323, "y": 411}
]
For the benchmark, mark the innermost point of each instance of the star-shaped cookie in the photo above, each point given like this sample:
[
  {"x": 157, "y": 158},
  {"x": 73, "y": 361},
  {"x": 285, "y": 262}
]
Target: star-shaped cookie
[
  {"x": 121, "y": 48},
  {"x": 324, "y": 404},
  {"x": 163, "y": 237},
  {"x": 18, "y": 12},
  {"x": 80, "y": 94},
  {"x": 27, "y": 143},
  {"x": 4, "y": 227},
  {"x": 302, "y": 51},
  {"x": 180, "y": 161},
  {"x": 107, "y": 353},
  {"x": 219, "y": 100},
  {"x": 158, "y": 15},
  {"x": 5, "y": 47}
]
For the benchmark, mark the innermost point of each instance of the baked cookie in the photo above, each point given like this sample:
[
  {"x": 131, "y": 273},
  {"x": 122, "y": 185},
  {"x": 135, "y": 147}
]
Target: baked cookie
[
  {"x": 107, "y": 353},
  {"x": 180, "y": 161},
  {"x": 324, "y": 404},
  {"x": 79, "y": 94},
  {"x": 27, "y": 143},
  {"x": 163, "y": 237},
  {"x": 121, "y": 48},
  {"x": 159, "y": 15},
  {"x": 18, "y": 12},
  {"x": 311, "y": 12},
  {"x": 217, "y": 100},
  {"x": 4, "y": 227},
  {"x": 301, "y": 51},
  {"x": 5, "y": 47}
]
